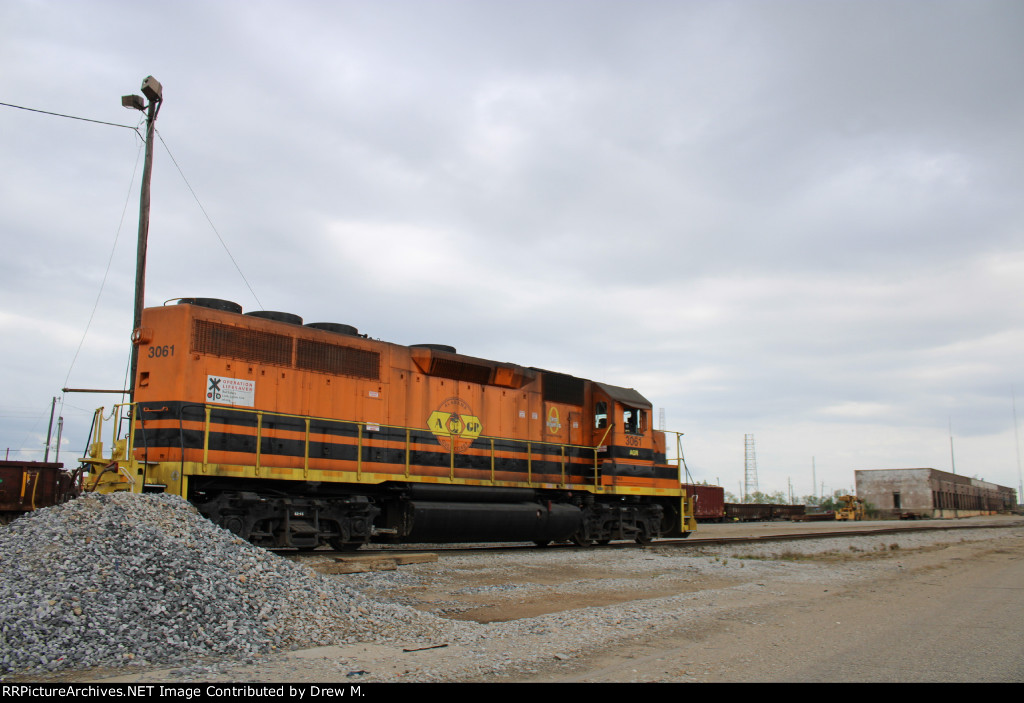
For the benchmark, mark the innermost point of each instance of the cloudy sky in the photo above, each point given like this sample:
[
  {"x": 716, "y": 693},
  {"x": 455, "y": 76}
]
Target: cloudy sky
[{"x": 801, "y": 220}]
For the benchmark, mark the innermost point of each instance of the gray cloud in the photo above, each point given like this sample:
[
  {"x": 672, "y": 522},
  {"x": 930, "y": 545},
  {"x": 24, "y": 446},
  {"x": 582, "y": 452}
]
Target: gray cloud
[{"x": 797, "y": 219}]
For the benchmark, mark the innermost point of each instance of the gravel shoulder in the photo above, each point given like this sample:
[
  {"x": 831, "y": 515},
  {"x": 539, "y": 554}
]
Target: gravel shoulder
[
  {"x": 775, "y": 612},
  {"x": 830, "y": 609}
]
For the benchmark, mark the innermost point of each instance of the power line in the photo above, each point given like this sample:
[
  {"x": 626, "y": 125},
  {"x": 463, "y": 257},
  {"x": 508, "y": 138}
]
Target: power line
[
  {"x": 72, "y": 117},
  {"x": 210, "y": 221},
  {"x": 32, "y": 428},
  {"x": 110, "y": 261},
  {"x": 117, "y": 234},
  {"x": 180, "y": 172}
]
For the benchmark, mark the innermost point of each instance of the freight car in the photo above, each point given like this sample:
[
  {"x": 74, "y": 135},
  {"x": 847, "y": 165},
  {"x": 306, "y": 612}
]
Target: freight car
[
  {"x": 294, "y": 435},
  {"x": 708, "y": 502},
  {"x": 787, "y": 512},
  {"x": 748, "y": 512},
  {"x": 760, "y": 512},
  {"x": 28, "y": 485}
]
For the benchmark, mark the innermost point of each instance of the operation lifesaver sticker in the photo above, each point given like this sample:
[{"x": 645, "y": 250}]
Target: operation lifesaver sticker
[
  {"x": 554, "y": 423},
  {"x": 454, "y": 424},
  {"x": 230, "y": 391}
]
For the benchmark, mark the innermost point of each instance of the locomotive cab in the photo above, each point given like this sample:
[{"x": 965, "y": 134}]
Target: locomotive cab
[{"x": 622, "y": 433}]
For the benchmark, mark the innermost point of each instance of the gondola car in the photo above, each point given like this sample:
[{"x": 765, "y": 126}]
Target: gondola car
[
  {"x": 748, "y": 512},
  {"x": 295, "y": 435},
  {"x": 760, "y": 512},
  {"x": 788, "y": 512},
  {"x": 29, "y": 485}
]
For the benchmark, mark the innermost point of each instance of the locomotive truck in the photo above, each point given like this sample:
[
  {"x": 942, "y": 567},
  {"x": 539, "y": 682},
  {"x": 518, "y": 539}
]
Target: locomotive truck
[{"x": 295, "y": 435}]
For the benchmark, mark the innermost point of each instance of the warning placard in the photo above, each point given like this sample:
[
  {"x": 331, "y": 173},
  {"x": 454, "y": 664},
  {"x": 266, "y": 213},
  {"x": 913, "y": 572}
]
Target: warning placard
[{"x": 230, "y": 391}]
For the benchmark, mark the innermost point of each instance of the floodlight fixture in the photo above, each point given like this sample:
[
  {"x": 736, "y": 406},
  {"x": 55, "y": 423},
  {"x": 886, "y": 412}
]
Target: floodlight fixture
[
  {"x": 152, "y": 89},
  {"x": 133, "y": 102}
]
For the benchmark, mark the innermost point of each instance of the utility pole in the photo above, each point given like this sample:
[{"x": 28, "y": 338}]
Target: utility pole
[
  {"x": 952, "y": 458},
  {"x": 152, "y": 89},
  {"x": 49, "y": 430},
  {"x": 60, "y": 429},
  {"x": 1016, "y": 445},
  {"x": 814, "y": 476}
]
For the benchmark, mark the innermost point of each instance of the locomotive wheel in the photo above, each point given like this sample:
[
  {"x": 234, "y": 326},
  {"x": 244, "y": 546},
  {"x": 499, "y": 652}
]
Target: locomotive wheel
[
  {"x": 581, "y": 539},
  {"x": 342, "y": 546},
  {"x": 235, "y": 524},
  {"x": 643, "y": 534}
]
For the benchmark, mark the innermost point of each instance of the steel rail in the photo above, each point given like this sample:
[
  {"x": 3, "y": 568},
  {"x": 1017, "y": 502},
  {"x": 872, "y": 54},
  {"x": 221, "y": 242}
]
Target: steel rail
[{"x": 456, "y": 549}]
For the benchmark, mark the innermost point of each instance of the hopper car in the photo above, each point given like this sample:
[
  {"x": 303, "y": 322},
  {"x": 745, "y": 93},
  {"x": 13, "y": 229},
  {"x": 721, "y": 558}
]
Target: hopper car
[{"x": 295, "y": 435}]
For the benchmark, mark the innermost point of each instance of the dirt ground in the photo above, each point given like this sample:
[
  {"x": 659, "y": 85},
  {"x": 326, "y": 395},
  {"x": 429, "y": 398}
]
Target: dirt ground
[
  {"x": 947, "y": 611},
  {"x": 950, "y": 613}
]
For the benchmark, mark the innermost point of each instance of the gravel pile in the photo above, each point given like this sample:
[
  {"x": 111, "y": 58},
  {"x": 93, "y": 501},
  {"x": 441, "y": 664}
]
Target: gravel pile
[{"x": 106, "y": 580}]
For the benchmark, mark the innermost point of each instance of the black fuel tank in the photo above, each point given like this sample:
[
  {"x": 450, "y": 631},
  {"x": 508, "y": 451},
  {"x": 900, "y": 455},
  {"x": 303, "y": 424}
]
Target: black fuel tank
[{"x": 490, "y": 522}]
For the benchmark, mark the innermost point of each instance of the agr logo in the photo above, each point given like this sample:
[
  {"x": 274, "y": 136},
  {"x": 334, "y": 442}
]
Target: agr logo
[{"x": 454, "y": 424}]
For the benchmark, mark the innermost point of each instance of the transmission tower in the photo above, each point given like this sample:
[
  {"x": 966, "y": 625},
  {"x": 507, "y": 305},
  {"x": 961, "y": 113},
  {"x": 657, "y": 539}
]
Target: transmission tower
[{"x": 750, "y": 483}]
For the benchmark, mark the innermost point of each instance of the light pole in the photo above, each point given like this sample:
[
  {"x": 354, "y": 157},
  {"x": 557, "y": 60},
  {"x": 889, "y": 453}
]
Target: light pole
[{"x": 152, "y": 89}]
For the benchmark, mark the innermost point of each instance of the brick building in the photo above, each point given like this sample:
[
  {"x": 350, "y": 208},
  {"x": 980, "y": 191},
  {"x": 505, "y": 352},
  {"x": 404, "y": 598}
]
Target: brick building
[{"x": 931, "y": 493}]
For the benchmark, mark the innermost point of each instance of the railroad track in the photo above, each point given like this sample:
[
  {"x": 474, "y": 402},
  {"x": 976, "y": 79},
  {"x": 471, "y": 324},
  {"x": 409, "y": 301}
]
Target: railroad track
[
  {"x": 793, "y": 536},
  {"x": 457, "y": 549}
]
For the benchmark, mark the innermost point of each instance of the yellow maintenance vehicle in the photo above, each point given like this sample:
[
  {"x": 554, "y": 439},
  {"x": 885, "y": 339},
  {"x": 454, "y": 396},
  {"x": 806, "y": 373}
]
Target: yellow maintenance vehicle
[{"x": 853, "y": 508}]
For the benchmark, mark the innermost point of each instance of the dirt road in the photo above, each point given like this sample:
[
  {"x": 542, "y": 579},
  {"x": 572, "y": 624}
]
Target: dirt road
[{"x": 954, "y": 613}]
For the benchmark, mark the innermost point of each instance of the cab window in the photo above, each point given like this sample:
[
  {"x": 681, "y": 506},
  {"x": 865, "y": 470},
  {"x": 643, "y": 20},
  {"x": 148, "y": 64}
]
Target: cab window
[
  {"x": 634, "y": 421},
  {"x": 600, "y": 415}
]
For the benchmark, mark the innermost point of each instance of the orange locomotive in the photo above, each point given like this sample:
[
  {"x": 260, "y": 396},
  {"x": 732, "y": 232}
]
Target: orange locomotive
[{"x": 294, "y": 435}]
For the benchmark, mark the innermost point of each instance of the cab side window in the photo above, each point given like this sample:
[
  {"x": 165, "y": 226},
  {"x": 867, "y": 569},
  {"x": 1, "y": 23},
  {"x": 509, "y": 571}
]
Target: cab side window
[
  {"x": 630, "y": 420},
  {"x": 600, "y": 415},
  {"x": 634, "y": 421}
]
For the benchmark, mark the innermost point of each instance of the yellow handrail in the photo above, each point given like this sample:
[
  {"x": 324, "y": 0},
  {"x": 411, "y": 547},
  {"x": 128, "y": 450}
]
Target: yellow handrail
[
  {"x": 206, "y": 435},
  {"x": 305, "y": 452},
  {"x": 259, "y": 439},
  {"x": 361, "y": 426},
  {"x": 597, "y": 449}
]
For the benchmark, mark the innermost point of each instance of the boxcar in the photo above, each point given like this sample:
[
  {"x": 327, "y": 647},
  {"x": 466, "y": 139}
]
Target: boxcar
[{"x": 708, "y": 502}]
